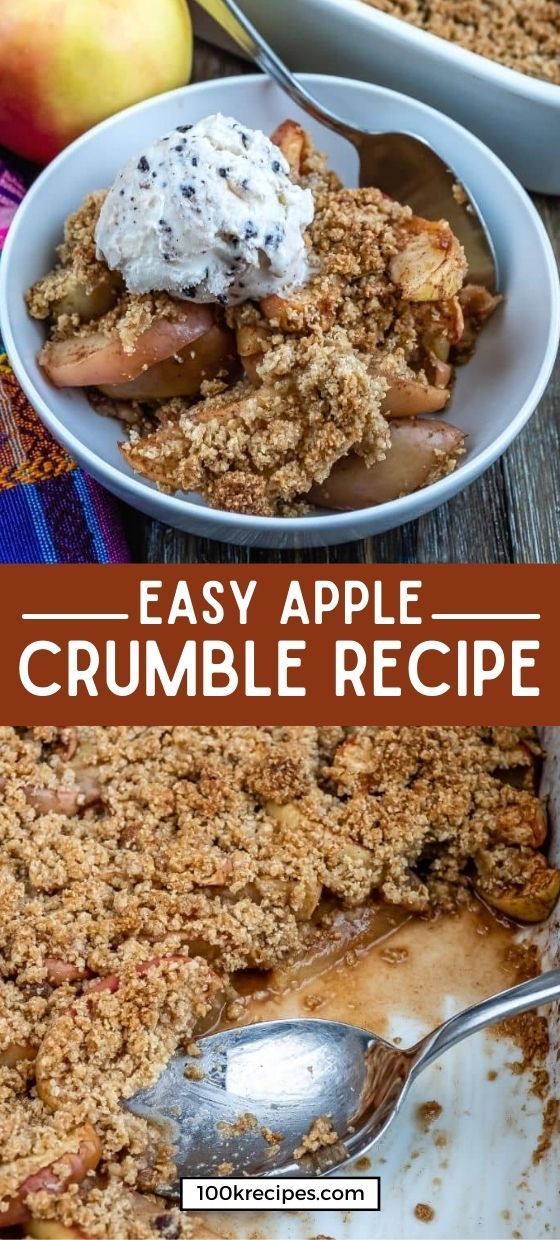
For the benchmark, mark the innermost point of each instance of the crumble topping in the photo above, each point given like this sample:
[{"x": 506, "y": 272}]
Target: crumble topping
[
  {"x": 423, "y": 1212},
  {"x": 321, "y": 1134},
  {"x": 143, "y": 866},
  {"x": 323, "y": 361}
]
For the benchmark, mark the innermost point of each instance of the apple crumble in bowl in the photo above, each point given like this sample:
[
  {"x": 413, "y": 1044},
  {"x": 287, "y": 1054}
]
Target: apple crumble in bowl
[
  {"x": 148, "y": 872},
  {"x": 270, "y": 338},
  {"x": 279, "y": 402}
]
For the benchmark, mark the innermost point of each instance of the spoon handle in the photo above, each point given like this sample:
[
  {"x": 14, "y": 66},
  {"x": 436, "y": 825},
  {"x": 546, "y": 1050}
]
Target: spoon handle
[
  {"x": 229, "y": 16},
  {"x": 542, "y": 989}
]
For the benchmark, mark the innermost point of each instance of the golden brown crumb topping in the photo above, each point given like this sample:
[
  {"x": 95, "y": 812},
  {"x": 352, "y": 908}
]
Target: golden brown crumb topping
[
  {"x": 321, "y": 1134},
  {"x": 142, "y": 866},
  {"x": 270, "y": 442},
  {"x": 423, "y": 1212},
  {"x": 522, "y": 36},
  {"x": 324, "y": 368}
]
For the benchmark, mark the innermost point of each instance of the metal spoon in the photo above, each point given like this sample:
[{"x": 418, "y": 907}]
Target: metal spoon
[
  {"x": 286, "y": 1073},
  {"x": 401, "y": 164}
]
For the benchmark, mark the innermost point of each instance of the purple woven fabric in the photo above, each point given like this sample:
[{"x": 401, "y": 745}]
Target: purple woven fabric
[{"x": 51, "y": 512}]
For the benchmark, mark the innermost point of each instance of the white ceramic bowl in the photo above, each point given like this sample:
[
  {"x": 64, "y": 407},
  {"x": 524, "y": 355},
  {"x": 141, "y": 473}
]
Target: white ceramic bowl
[
  {"x": 505, "y": 108},
  {"x": 494, "y": 395}
]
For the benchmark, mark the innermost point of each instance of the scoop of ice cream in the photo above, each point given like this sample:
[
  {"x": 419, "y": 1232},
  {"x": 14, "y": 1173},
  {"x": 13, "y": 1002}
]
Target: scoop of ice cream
[{"x": 207, "y": 213}]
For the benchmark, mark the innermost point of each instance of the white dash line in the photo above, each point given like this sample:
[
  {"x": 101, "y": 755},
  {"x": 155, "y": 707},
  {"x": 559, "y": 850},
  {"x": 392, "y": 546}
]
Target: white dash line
[
  {"x": 75, "y": 615},
  {"x": 486, "y": 615}
]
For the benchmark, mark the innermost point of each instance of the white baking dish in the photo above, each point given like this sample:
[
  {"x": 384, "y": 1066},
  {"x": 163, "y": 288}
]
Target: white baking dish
[
  {"x": 493, "y": 396},
  {"x": 482, "y": 1182},
  {"x": 517, "y": 116}
]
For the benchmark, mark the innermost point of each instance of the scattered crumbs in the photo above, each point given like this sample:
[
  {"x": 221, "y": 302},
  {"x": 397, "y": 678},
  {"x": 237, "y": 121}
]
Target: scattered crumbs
[
  {"x": 440, "y": 1140},
  {"x": 193, "y": 1049},
  {"x": 271, "y": 1137},
  {"x": 363, "y": 1164},
  {"x": 550, "y": 1128},
  {"x": 423, "y": 1212},
  {"x": 225, "y": 1168},
  {"x": 194, "y": 1072},
  {"x": 244, "y": 1123},
  {"x": 321, "y": 1134},
  {"x": 492, "y": 1075},
  {"x": 524, "y": 36},
  {"x": 427, "y": 1112},
  {"x": 415, "y": 1154}
]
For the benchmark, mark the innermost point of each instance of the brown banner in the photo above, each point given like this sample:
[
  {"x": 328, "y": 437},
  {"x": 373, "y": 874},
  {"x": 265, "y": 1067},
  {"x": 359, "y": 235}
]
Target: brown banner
[{"x": 280, "y": 644}]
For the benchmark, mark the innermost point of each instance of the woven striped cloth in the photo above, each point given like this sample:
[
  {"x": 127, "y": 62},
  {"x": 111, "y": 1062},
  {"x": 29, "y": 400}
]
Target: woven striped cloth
[{"x": 51, "y": 512}]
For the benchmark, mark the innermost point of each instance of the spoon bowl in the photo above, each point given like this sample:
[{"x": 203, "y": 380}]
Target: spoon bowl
[
  {"x": 402, "y": 165},
  {"x": 252, "y": 1095}
]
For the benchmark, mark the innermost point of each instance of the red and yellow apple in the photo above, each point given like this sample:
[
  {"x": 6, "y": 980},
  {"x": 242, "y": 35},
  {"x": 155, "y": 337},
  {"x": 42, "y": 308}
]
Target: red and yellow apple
[{"x": 67, "y": 64}]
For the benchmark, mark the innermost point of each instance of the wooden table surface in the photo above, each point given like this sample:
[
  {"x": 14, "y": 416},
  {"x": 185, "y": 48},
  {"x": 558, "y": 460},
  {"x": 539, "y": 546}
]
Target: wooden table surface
[{"x": 510, "y": 515}]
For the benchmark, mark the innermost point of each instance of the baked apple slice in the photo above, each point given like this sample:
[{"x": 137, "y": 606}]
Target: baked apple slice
[
  {"x": 96, "y": 359},
  {"x": 291, "y": 139},
  {"x": 430, "y": 264}
]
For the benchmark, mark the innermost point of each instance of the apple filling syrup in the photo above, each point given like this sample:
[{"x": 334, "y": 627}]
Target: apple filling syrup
[{"x": 376, "y": 964}]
